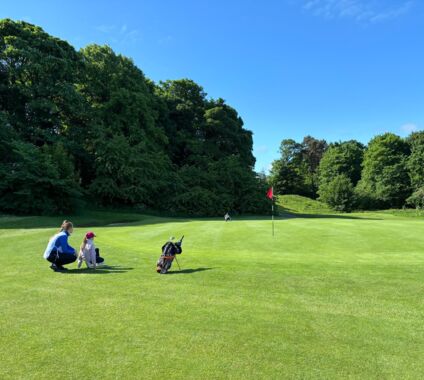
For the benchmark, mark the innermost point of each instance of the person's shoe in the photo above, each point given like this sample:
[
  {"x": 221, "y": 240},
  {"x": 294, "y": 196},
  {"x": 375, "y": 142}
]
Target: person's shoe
[
  {"x": 53, "y": 267},
  {"x": 61, "y": 268},
  {"x": 100, "y": 264}
]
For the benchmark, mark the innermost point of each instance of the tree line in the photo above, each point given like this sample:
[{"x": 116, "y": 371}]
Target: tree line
[
  {"x": 87, "y": 126},
  {"x": 386, "y": 173}
]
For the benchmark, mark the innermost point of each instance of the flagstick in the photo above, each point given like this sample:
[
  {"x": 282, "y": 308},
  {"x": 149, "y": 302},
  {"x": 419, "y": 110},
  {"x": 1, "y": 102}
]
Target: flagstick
[
  {"x": 272, "y": 211},
  {"x": 270, "y": 195}
]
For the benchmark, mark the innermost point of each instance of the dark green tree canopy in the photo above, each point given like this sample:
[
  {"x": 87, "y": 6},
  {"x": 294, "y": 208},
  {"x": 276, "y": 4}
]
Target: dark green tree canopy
[
  {"x": 338, "y": 193},
  {"x": 385, "y": 181},
  {"x": 38, "y": 82},
  {"x": 416, "y": 159},
  {"x": 382, "y": 174},
  {"x": 89, "y": 124},
  {"x": 342, "y": 158},
  {"x": 296, "y": 172}
]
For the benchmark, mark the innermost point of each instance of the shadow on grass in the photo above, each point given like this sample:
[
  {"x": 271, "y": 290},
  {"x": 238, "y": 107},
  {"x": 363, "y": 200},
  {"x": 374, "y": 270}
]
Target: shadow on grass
[
  {"x": 95, "y": 219},
  {"x": 116, "y": 219},
  {"x": 105, "y": 269},
  {"x": 188, "y": 271}
]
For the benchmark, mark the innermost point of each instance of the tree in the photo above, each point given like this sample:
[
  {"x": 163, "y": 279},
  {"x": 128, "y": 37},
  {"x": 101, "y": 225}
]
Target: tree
[
  {"x": 417, "y": 198},
  {"x": 127, "y": 145},
  {"x": 211, "y": 151},
  {"x": 90, "y": 124},
  {"x": 338, "y": 193},
  {"x": 385, "y": 181},
  {"x": 341, "y": 158},
  {"x": 38, "y": 104},
  {"x": 185, "y": 101},
  {"x": 38, "y": 180},
  {"x": 224, "y": 134},
  {"x": 416, "y": 159},
  {"x": 296, "y": 170},
  {"x": 38, "y": 76},
  {"x": 312, "y": 152},
  {"x": 286, "y": 178}
]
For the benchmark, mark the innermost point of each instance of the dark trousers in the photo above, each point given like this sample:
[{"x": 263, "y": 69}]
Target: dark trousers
[
  {"x": 98, "y": 258},
  {"x": 60, "y": 258}
]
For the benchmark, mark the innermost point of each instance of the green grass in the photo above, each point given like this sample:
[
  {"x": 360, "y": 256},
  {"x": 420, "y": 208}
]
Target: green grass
[
  {"x": 298, "y": 205},
  {"x": 329, "y": 297}
]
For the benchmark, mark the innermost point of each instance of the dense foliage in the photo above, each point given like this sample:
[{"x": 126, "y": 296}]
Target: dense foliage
[
  {"x": 417, "y": 199},
  {"x": 383, "y": 174},
  {"x": 296, "y": 172},
  {"x": 89, "y": 125},
  {"x": 339, "y": 172},
  {"x": 338, "y": 193},
  {"x": 385, "y": 181}
]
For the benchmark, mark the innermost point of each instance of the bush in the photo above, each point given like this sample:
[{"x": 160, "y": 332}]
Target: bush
[
  {"x": 38, "y": 181},
  {"x": 338, "y": 193},
  {"x": 417, "y": 199}
]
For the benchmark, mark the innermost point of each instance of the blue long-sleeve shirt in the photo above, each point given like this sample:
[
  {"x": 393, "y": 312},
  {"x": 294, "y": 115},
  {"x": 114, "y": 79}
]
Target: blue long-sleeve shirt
[{"x": 60, "y": 243}]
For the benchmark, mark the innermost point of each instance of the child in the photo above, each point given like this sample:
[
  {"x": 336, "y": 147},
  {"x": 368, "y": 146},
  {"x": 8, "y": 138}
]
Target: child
[{"x": 87, "y": 251}]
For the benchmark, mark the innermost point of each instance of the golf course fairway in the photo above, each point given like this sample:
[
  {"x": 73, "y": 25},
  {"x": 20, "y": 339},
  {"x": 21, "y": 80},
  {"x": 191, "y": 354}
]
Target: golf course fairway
[{"x": 328, "y": 297}]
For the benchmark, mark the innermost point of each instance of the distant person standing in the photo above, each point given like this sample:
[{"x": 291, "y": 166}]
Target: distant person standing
[
  {"x": 58, "y": 251},
  {"x": 227, "y": 217}
]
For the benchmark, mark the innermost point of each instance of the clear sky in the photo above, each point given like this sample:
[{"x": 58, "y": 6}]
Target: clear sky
[{"x": 334, "y": 69}]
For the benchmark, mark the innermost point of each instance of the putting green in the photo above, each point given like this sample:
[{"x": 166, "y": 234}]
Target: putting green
[{"x": 333, "y": 296}]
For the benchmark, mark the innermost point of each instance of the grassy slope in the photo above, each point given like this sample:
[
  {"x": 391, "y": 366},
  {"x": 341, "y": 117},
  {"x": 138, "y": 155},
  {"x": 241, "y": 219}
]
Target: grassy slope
[
  {"x": 336, "y": 296},
  {"x": 298, "y": 205}
]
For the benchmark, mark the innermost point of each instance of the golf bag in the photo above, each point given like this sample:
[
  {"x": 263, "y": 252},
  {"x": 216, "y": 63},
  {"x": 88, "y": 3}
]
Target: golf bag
[{"x": 169, "y": 250}]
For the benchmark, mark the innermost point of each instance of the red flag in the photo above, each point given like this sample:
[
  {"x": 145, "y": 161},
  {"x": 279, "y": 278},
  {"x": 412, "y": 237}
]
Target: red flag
[{"x": 270, "y": 193}]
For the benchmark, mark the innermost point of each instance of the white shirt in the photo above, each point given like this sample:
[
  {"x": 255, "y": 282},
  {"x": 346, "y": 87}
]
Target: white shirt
[{"x": 89, "y": 251}]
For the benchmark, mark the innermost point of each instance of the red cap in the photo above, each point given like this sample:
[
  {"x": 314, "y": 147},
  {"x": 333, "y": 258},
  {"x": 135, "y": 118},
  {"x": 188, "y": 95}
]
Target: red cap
[{"x": 89, "y": 235}]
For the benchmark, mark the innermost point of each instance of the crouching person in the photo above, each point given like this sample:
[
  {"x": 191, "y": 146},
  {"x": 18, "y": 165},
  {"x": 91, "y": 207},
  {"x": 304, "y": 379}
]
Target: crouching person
[
  {"x": 89, "y": 253},
  {"x": 58, "y": 251},
  {"x": 169, "y": 250}
]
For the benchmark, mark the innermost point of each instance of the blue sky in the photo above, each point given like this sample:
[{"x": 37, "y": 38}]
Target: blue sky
[{"x": 334, "y": 69}]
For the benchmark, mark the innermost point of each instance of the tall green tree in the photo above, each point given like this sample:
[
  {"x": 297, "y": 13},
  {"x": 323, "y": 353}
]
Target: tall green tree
[
  {"x": 312, "y": 152},
  {"x": 339, "y": 171},
  {"x": 416, "y": 159},
  {"x": 185, "y": 101},
  {"x": 211, "y": 151},
  {"x": 385, "y": 181},
  {"x": 38, "y": 104},
  {"x": 126, "y": 143},
  {"x": 37, "y": 82},
  {"x": 287, "y": 173},
  {"x": 296, "y": 171},
  {"x": 342, "y": 158},
  {"x": 90, "y": 124},
  {"x": 224, "y": 134}
]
